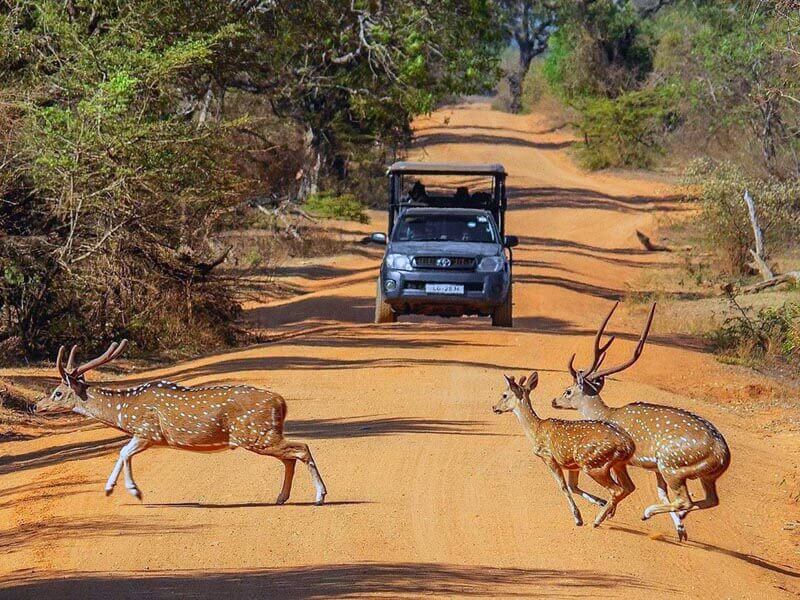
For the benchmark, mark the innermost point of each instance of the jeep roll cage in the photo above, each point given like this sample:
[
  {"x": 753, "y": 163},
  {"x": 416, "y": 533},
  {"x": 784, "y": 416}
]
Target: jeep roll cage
[{"x": 494, "y": 202}]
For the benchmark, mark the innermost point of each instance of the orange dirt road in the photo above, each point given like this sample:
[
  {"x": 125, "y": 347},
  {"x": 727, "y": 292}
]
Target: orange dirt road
[{"x": 429, "y": 492}]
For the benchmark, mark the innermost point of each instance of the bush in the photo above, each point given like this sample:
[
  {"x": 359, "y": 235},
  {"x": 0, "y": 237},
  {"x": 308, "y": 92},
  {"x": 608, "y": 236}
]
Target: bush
[
  {"x": 725, "y": 223},
  {"x": 627, "y": 131},
  {"x": 773, "y": 333},
  {"x": 331, "y": 206}
]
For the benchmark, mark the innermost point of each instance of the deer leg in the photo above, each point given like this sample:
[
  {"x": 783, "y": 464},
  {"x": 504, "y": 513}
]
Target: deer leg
[
  {"x": 677, "y": 519},
  {"x": 288, "y": 475},
  {"x": 682, "y": 501},
  {"x": 291, "y": 451},
  {"x": 603, "y": 477},
  {"x": 129, "y": 451},
  {"x": 558, "y": 475},
  {"x": 572, "y": 483},
  {"x": 132, "y": 447}
]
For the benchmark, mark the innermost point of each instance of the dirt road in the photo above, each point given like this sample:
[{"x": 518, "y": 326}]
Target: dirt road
[{"x": 430, "y": 493}]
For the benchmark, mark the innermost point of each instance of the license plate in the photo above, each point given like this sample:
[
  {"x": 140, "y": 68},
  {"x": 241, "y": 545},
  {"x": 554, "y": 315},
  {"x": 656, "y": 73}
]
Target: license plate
[{"x": 444, "y": 288}]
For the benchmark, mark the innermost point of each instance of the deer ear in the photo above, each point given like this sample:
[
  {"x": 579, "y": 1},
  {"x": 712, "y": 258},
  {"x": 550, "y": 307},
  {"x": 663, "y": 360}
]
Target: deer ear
[{"x": 533, "y": 380}]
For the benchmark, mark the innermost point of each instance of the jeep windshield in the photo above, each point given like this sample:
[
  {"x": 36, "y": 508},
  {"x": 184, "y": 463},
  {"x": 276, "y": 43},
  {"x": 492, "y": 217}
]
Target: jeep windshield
[{"x": 439, "y": 227}]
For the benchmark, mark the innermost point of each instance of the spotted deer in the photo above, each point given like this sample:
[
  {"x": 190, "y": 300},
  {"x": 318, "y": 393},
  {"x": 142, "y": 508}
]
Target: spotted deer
[
  {"x": 596, "y": 448},
  {"x": 162, "y": 413},
  {"x": 676, "y": 444}
]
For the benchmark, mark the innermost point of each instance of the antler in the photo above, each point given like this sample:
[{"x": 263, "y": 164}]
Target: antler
[
  {"x": 114, "y": 350},
  {"x": 60, "y": 363},
  {"x": 599, "y": 351},
  {"x": 636, "y": 353}
]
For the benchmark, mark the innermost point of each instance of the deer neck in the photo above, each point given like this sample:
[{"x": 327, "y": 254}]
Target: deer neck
[
  {"x": 593, "y": 407},
  {"x": 528, "y": 418},
  {"x": 103, "y": 405}
]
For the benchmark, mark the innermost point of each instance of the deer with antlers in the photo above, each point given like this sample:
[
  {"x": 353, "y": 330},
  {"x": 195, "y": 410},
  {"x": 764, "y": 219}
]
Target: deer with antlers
[
  {"x": 162, "y": 413},
  {"x": 676, "y": 444},
  {"x": 599, "y": 449}
]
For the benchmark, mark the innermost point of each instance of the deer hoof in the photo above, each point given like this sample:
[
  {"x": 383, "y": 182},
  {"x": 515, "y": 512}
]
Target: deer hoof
[
  {"x": 135, "y": 493},
  {"x": 320, "y": 500},
  {"x": 682, "y": 535},
  {"x": 109, "y": 491},
  {"x": 281, "y": 499}
]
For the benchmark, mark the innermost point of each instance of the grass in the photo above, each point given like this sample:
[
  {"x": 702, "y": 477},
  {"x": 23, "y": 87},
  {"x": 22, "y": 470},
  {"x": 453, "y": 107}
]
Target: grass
[{"x": 345, "y": 207}]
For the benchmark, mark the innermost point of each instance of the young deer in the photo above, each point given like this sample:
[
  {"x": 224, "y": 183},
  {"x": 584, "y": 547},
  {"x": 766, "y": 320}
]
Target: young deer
[
  {"x": 596, "y": 448},
  {"x": 162, "y": 413},
  {"x": 675, "y": 443}
]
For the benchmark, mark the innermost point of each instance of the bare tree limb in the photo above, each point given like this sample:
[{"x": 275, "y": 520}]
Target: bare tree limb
[{"x": 790, "y": 277}]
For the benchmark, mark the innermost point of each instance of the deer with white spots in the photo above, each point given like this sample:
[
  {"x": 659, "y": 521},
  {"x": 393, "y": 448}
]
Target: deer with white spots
[
  {"x": 162, "y": 413},
  {"x": 600, "y": 450},
  {"x": 676, "y": 444}
]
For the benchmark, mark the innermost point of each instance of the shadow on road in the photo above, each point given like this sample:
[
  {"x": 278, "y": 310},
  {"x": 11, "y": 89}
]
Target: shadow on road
[
  {"x": 407, "y": 580},
  {"x": 59, "y": 454},
  {"x": 213, "y": 505},
  {"x": 748, "y": 558},
  {"x": 326, "y": 429}
]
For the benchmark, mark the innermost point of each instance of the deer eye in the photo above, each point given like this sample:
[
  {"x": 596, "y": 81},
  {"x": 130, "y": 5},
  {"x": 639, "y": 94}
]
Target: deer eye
[
  {"x": 569, "y": 392},
  {"x": 58, "y": 394}
]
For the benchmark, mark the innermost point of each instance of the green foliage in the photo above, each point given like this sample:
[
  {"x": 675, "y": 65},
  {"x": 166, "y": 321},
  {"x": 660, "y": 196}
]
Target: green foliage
[
  {"x": 602, "y": 48},
  {"x": 772, "y": 333},
  {"x": 127, "y": 134},
  {"x": 736, "y": 65},
  {"x": 328, "y": 205},
  {"x": 725, "y": 223},
  {"x": 626, "y": 130}
]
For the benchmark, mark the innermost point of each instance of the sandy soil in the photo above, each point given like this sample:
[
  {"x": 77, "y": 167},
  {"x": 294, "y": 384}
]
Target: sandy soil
[{"x": 430, "y": 493}]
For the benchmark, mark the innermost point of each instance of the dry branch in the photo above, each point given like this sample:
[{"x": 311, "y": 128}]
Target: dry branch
[
  {"x": 790, "y": 277},
  {"x": 759, "y": 256},
  {"x": 649, "y": 245}
]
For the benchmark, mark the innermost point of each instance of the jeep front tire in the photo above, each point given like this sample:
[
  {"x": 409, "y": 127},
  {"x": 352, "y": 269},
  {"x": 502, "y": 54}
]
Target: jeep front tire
[{"x": 383, "y": 312}]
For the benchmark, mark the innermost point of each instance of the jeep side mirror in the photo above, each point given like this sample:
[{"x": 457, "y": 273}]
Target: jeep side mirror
[
  {"x": 511, "y": 241},
  {"x": 378, "y": 238}
]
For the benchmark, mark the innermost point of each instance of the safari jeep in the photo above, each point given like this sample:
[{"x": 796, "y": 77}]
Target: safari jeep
[{"x": 446, "y": 249}]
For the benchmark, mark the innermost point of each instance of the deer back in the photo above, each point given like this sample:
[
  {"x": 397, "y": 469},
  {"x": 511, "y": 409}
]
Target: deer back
[
  {"x": 578, "y": 444},
  {"x": 194, "y": 417},
  {"x": 671, "y": 437}
]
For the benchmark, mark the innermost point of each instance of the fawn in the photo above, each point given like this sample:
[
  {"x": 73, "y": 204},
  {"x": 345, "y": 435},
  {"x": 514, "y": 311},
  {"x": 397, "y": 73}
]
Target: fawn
[
  {"x": 594, "y": 447},
  {"x": 162, "y": 413},
  {"x": 675, "y": 443}
]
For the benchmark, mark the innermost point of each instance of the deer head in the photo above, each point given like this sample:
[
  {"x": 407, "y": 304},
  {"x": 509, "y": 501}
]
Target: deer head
[
  {"x": 589, "y": 382},
  {"x": 70, "y": 394},
  {"x": 515, "y": 393}
]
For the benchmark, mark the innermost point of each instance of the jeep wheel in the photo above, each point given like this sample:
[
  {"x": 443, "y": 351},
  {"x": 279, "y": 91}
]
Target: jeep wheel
[
  {"x": 502, "y": 315},
  {"x": 383, "y": 312}
]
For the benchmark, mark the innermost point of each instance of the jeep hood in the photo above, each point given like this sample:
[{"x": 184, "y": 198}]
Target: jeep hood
[{"x": 444, "y": 248}]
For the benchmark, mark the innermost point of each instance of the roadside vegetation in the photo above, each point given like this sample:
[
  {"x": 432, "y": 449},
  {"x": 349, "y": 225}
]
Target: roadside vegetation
[
  {"x": 135, "y": 135},
  {"x": 707, "y": 90}
]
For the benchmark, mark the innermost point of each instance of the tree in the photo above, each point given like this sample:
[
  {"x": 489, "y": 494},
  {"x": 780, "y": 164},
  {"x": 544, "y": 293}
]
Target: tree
[
  {"x": 528, "y": 23},
  {"x": 120, "y": 159}
]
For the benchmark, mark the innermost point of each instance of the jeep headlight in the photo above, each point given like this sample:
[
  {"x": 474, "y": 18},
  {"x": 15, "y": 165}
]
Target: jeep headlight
[
  {"x": 491, "y": 264},
  {"x": 398, "y": 262}
]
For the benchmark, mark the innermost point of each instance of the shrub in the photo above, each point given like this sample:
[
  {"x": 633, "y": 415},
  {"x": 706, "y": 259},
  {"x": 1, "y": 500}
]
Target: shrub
[
  {"x": 627, "y": 131},
  {"x": 346, "y": 207},
  {"x": 725, "y": 223},
  {"x": 773, "y": 333}
]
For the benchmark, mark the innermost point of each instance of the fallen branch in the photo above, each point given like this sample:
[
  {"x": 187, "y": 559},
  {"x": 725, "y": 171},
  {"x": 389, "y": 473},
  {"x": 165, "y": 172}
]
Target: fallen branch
[
  {"x": 649, "y": 245},
  {"x": 790, "y": 277}
]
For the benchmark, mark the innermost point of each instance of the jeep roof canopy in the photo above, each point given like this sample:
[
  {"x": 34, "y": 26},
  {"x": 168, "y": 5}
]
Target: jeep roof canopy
[
  {"x": 494, "y": 202},
  {"x": 421, "y": 168}
]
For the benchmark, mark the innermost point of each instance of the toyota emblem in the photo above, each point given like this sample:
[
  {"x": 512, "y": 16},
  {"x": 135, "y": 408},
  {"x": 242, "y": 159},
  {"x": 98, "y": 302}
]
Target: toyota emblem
[{"x": 443, "y": 262}]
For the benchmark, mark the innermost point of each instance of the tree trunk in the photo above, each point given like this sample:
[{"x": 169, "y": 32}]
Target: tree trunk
[{"x": 516, "y": 81}]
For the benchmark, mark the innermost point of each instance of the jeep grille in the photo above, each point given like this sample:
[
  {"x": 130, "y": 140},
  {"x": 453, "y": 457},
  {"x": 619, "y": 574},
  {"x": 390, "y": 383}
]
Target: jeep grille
[{"x": 444, "y": 262}]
